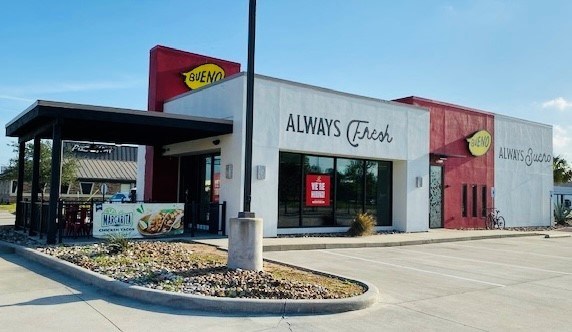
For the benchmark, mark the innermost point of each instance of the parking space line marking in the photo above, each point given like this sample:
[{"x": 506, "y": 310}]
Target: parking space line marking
[
  {"x": 486, "y": 262},
  {"x": 545, "y": 243},
  {"x": 414, "y": 269},
  {"x": 515, "y": 251}
]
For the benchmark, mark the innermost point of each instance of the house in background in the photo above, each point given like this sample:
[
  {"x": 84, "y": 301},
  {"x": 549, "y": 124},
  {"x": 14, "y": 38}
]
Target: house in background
[{"x": 98, "y": 164}]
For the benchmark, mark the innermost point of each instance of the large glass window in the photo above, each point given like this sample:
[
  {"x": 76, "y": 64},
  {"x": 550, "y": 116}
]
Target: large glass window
[
  {"x": 289, "y": 189},
  {"x": 349, "y": 190},
  {"x": 216, "y": 179},
  {"x": 378, "y": 191},
  {"x": 317, "y": 191},
  {"x": 318, "y": 179}
]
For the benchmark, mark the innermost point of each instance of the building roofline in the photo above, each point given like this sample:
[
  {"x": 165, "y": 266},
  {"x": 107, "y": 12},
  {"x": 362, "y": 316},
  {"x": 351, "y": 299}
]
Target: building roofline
[
  {"x": 443, "y": 103},
  {"x": 302, "y": 85}
]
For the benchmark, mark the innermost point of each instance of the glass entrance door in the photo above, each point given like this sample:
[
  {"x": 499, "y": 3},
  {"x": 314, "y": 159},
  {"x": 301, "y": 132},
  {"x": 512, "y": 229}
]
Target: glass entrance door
[
  {"x": 436, "y": 196},
  {"x": 200, "y": 187},
  {"x": 210, "y": 178}
]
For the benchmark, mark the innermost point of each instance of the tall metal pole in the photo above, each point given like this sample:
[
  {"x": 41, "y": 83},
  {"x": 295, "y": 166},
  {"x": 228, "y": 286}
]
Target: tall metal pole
[{"x": 249, "y": 110}]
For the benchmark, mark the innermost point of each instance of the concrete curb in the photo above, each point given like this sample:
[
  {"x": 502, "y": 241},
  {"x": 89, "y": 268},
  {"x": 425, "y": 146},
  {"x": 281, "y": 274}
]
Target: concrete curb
[
  {"x": 202, "y": 303},
  {"x": 315, "y": 246}
]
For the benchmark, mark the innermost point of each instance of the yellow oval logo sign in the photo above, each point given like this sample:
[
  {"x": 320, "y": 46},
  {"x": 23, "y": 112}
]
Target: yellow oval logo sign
[
  {"x": 480, "y": 143},
  {"x": 203, "y": 75}
]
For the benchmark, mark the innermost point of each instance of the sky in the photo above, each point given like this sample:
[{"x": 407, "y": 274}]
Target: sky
[{"x": 507, "y": 57}]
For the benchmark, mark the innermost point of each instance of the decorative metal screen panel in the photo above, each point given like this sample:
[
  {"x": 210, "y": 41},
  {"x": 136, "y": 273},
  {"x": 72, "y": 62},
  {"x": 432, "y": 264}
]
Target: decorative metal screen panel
[{"x": 436, "y": 197}]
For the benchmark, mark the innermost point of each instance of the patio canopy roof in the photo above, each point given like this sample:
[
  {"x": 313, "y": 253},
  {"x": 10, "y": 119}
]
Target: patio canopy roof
[
  {"x": 64, "y": 121},
  {"x": 114, "y": 125}
]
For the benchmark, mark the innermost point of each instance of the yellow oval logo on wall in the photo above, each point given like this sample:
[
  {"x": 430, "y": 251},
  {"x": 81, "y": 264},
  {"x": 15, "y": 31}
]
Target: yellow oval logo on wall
[
  {"x": 480, "y": 142},
  {"x": 203, "y": 75}
]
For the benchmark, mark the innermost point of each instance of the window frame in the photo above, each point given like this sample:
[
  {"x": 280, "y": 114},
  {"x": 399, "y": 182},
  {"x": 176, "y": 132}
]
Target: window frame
[{"x": 334, "y": 193}]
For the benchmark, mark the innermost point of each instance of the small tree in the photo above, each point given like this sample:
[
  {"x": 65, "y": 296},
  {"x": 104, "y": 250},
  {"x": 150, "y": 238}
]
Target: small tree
[
  {"x": 561, "y": 170},
  {"x": 69, "y": 165}
]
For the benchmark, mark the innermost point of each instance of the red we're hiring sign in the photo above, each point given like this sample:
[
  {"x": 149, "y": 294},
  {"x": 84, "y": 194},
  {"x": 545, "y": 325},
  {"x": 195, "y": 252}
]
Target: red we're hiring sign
[{"x": 317, "y": 190}]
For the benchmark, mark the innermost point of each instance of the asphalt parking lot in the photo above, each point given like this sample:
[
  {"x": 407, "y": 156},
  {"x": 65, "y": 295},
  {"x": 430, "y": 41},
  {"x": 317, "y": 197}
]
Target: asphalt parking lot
[
  {"x": 490, "y": 285},
  {"x": 485, "y": 285}
]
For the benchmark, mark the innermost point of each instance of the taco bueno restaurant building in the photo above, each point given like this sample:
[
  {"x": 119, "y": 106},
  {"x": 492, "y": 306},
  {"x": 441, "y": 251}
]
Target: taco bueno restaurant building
[{"x": 321, "y": 156}]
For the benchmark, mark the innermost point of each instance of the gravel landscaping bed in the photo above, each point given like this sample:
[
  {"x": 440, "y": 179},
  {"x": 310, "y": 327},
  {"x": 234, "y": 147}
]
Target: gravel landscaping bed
[
  {"x": 192, "y": 269},
  {"x": 200, "y": 269}
]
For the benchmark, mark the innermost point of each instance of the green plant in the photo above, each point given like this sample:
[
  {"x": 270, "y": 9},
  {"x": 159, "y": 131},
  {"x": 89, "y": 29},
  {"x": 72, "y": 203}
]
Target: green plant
[
  {"x": 561, "y": 170},
  {"x": 117, "y": 243},
  {"x": 363, "y": 224},
  {"x": 69, "y": 165},
  {"x": 8, "y": 207},
  {"x": 561, "y": 213}
]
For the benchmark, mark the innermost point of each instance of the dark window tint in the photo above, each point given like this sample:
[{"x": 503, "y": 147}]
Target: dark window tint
[
  {"x": 352, "y": 186},
  {"x": 464, "y": 206},
  {"x": 349, "y": 190},
  {"x": 475, "y": 197},
  {"x": 484, "y": 200},
  {"x": 290, "y": 188},
  {"x": 86, "y": 187},
  {"x": 378, "y": 191},
  {"x": 318, "y": 215}
]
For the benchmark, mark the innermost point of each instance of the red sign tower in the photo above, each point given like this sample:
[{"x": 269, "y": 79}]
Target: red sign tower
[{"x": 167, "y": 77}]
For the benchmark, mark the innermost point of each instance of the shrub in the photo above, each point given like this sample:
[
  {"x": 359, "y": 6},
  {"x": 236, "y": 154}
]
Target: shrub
[
  {"x": 117, "y": 243},
  {"x": 561, "y": 212},
  {"x": 363, "y": 224}
]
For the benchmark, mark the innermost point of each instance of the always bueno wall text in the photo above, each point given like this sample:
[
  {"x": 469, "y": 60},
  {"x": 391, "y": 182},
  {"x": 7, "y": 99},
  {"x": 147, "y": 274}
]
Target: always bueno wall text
[
  {"x": 528, "y": 157},
  {"x": 355, "y": 132}
]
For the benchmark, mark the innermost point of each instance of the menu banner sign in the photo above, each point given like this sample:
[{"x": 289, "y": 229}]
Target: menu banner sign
[
  {"x": 317, "y": 190},
  {"x": 137, "y": 220}
]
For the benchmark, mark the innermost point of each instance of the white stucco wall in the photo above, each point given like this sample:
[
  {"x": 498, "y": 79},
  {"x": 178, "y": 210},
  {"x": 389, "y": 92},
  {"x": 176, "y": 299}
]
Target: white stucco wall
[
  {"x": 282, "y": 111},
  {"x": 523, "y": 171},
  {"x": 277, "y": 102},
  {"x": 344, "y": 118}
]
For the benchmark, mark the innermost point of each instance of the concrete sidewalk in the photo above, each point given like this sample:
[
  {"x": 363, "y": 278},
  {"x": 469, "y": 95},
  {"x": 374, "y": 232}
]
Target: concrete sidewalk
[
  {"x": 7, "y": 218},
  {"x": 333, "y": 242},
  {"x": 384, "y": 240}
]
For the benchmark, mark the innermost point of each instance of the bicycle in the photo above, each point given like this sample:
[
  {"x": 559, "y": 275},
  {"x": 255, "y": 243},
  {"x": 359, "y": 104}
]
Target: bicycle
[{"x": 494, "y": 220}]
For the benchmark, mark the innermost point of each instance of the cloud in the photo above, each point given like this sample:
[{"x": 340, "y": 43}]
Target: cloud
[
  {"x": 559, "y": 103},
  {"x": 14, "y": 98}
]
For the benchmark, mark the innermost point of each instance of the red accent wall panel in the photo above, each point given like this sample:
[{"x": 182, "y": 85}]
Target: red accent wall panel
[
  {"x": 166, "y": 80},
  {"x": 451, "y": 125}
]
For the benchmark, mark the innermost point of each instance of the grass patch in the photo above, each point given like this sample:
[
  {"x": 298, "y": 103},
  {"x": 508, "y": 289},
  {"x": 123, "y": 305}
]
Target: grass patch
[
  {"x": 10, "y": 208},
  {"x": 338, "y": 286}
]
